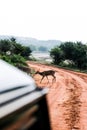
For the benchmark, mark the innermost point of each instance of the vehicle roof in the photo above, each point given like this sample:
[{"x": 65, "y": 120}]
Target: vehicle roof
[{"x": 11, "y": 77}]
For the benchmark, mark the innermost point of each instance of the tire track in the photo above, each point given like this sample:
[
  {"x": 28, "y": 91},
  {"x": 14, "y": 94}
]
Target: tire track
[{"x": 72, "y": 105}]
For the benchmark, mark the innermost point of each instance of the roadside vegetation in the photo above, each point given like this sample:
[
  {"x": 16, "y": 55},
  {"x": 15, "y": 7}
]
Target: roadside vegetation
[
  {"x": 13, "y": 52},
  {"x": 70, "y": 55}
]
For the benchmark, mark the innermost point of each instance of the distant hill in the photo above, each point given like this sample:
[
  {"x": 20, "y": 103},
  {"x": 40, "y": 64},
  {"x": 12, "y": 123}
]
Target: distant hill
[{"x": 34, "y": 42}]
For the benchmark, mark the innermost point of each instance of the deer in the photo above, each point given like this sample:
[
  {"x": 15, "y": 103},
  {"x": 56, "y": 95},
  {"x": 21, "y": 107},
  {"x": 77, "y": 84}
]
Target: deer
[{"x": 46, "y": 74}]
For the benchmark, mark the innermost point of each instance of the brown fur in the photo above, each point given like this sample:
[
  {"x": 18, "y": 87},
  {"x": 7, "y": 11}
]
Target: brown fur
[{"x": 46, "y": 74}]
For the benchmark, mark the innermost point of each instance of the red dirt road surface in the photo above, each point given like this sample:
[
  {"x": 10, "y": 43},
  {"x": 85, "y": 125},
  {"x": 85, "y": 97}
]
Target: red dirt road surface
[{"x": 67, "y": 97}]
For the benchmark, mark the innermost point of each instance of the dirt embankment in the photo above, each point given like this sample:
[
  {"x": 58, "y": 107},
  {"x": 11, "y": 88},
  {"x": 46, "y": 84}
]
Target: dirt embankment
[{"x": 67, "y": 97}]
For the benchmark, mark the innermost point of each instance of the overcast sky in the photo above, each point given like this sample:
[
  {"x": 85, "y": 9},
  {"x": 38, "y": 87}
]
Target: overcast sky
[{"x": 64, "y": 20}]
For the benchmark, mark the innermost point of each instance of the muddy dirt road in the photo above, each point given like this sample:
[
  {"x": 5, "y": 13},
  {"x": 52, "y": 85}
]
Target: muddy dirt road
[{"x": 67, "y": 97}]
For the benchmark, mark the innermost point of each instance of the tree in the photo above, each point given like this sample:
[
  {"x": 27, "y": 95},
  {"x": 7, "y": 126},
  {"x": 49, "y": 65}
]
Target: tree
[
  {"x": 80, "y": 55},
  {"x": 13, "y": 39},
  {"x": 57, "y": 55},
  {"x": 5, "y": 45},
  {"x": 77, "y": 52},
  {"x": 73, "y": 51},
  {"x": 26, "y": 52},
  {"x": 14, "y": 47},
  {"x": 13, "y": 52},
  {"x": 68, "y": 49}
]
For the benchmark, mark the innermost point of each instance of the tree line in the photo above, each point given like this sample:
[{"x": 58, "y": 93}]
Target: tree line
[{"x": 75, "y": 52}]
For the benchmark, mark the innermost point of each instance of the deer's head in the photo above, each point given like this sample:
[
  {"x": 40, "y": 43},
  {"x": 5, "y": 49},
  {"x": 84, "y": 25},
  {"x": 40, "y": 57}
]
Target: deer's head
[{"x": 37, "y": 72}]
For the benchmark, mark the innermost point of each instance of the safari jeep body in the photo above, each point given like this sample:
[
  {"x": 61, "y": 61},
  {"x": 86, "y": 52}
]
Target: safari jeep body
[{"x": 23, "y": 106}]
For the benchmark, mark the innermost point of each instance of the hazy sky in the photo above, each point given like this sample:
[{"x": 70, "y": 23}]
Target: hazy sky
[{"x": 44, "y": 19}]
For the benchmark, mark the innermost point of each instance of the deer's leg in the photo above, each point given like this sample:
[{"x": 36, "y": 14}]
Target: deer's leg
[
  {"x": 54, "y": 77},
  {"x": 42, "y": 79},
  {"x": 47, "y": 79}
]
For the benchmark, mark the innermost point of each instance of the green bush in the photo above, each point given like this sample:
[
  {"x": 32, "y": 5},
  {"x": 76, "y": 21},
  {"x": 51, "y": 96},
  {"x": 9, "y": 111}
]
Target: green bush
[
  {"x": 13, "y": 52},
  {"x": 14, "y": 59}
]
